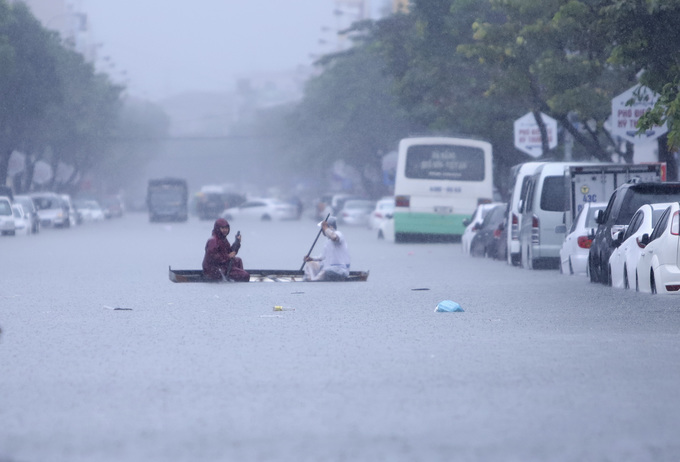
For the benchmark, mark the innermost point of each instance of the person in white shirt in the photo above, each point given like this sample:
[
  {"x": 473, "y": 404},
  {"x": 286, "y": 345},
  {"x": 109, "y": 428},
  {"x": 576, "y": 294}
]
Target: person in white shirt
[{"x": 333, "y": 264}]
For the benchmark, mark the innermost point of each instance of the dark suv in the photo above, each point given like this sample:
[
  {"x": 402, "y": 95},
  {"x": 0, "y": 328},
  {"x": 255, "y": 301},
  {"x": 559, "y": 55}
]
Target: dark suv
[{"x": 622, "y": 205}]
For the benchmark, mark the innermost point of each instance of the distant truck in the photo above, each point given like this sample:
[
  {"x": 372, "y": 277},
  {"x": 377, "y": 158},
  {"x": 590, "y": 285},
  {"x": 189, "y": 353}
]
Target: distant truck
[
  {"x": 167, "y": 199},
  {"x": 597, "y": 182}
]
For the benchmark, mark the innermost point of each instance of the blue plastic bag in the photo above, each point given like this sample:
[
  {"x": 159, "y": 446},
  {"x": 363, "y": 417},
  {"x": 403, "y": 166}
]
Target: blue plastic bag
[{"x": 448, "y": 306}]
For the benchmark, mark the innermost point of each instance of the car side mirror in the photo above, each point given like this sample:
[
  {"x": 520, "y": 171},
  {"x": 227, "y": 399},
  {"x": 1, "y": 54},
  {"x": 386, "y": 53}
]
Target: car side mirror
[
  {"x": 466, "y": 221},
  {"x": 389, "y": 216},
  {"x": 501, "y": 226},
  {"x": 618, "y": 239},
  {"x": 644, "y": 240},
  {"x": 561, "y": 229},
  {"x": 598, "y": 217}
]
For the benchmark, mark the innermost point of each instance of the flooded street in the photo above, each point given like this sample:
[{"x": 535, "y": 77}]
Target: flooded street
[{"x": 539, "y": 366}]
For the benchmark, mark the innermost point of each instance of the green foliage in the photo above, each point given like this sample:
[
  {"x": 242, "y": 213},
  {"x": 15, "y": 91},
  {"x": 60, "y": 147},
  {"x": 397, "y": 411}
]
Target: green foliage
[
  {"x": 55, "y": 107},
  {"x": 647, "y": 36}
]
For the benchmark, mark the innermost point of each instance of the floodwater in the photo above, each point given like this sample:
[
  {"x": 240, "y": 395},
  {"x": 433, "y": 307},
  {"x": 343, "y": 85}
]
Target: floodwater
[{"x": 539, "y": 366}]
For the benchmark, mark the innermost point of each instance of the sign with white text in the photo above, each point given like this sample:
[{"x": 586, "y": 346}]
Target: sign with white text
[
  {"x": 625, "y": 118},
  {"x": 528, "y": 135}
]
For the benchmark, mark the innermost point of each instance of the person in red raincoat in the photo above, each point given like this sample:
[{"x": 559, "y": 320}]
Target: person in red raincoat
[{"x": 219, "y": 254}]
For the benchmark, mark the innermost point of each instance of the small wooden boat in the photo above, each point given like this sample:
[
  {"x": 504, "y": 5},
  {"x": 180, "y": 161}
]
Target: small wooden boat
[{"x": 258, "y": 275}]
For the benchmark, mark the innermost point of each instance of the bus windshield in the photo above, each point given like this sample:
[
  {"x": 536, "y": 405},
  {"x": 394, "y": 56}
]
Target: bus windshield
[{"x": 444, "y": 162}]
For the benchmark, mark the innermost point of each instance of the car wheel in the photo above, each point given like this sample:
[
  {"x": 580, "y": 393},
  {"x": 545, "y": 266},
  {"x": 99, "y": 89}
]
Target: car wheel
[
  {"x": 380, "y": 234},
  {"x": 652, "y": 282},
  {"x": 609, "y": 276},
  {"x": 625, "y": 278},
  {"x": 571, "y": 268},
  {"x": 637, "y": 284}
]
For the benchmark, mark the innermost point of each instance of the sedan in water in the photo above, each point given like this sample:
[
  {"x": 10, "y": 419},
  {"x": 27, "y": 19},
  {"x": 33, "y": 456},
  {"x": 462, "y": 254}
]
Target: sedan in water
[
  {"x": 628, "y": 245},
  {"x": 658, "y": 270},
  {"x": 356, "y": 212},
  {"x": 485, "y": 242},
  {"x": 264, "y": 209},
  {"x": 576, "y": 244}
]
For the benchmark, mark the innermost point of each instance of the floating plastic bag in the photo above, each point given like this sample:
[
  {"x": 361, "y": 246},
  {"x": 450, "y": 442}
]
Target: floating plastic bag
[{"x": 448, "y": 306}]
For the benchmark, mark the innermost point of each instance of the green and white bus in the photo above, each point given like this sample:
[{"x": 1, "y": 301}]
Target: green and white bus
[{"x": 439, "y": 183}]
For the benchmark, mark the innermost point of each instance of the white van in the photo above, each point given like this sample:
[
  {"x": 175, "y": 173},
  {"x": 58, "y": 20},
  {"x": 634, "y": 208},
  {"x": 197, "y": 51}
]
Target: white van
[
  {"x": 543, "y": 208},
  {"x": 521, "y": 174}
]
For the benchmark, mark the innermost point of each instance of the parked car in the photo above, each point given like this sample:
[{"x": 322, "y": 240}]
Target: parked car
[
  {"x": 658, "y": 269},
  {"x": 473, "y": 224},
  {"x": 356, "y": 212},
  {"x": 543, "y": 210},
  {"x": 30, "y": 211},
  {"x": 7, "y": 226},
  {"x": 264, "y": 209},
  {"x": 622, "y": 205},
  {"x": 521, "y": 175},
  {"x": 74, "y": 217},
  {"x": 113, "y": 206},
  {"x": 628, "y": 245},
  {"x": 383, "y": 208},
  {"x": 52, "y": 210},
  {"x": 486, "y": 239},
  {"x": 21, "y": 223},
  {"x": 576, "y": 245},
  {"x": 89, "y": 210}
]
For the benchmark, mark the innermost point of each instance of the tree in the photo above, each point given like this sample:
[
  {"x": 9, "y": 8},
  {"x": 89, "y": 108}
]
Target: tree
[
  {"x": 646, "y": 37},
  {"x": 27, "y": 76}
]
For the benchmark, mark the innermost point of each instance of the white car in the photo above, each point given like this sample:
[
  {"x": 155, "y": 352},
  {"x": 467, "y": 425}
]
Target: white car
[
  {"x": 89, "y": 210},
  {"x": 22, "y": 224},
  {"x": 473, "y": 223},
  {"x": 265, "y": 209},
  {"x": 384, "y": 208},
  {"x": 52, "y": 210},
  {"x": 576, "y": 244},
  {"x": 356, "y": 212},
  {"x": 7, "y": 226},
  {"x": 658, "y": 270},
  {"x": 628, "y": 246}
]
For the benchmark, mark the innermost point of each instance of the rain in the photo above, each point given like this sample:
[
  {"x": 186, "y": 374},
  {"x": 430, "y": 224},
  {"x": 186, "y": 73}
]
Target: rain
[{"x": 252, "y": 231}]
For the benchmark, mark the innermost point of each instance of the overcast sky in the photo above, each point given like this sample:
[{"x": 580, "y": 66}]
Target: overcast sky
[{"x": 167, "y": 47}]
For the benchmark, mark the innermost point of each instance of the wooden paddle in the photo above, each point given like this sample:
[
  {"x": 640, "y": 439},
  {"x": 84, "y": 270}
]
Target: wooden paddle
[{"x": 314, "y": 243}]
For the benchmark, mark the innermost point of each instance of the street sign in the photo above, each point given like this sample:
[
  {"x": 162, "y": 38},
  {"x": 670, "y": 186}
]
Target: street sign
[
  {"x": 625, "y": 118},
  {"x": 528, "y": 135}
]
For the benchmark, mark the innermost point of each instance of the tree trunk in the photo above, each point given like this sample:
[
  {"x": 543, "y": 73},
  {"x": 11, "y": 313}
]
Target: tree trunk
[{"x": 4, "y": 164}]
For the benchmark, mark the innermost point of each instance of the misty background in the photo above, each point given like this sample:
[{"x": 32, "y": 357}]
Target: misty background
[{"x": 312, "y": 96}]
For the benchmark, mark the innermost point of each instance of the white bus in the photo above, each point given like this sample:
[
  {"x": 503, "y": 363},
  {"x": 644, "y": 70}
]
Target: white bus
[{"x": 439, "y": 183}]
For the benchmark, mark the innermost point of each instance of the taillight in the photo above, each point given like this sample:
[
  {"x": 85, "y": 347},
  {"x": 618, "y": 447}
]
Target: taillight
[
  {"x": 514, "y": 227},
  {"x": 672, "y": 287},
  {"x": 535, "y": 231},
  {"x": 584, "y": 242},
  {"x": 675, "y": 224},
  {"x": 402, "y": 201},
  {"x": 497, "y": 233}
]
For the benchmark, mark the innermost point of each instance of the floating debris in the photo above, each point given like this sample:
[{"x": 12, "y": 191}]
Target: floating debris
[
  {"x": 117, "y": 308},
  {"x": 448, "y": 306},
  {"x": 421, "y": 288}
]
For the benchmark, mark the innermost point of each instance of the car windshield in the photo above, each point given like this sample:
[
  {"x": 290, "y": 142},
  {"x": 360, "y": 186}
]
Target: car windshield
[{"x": 5, "y": 208}]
